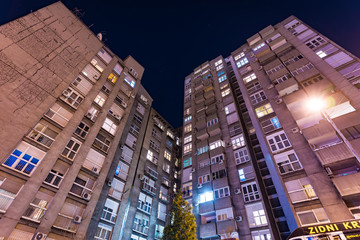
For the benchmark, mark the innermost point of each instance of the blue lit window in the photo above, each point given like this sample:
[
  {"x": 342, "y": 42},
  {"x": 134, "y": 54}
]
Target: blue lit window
[
  {"x": 241, "y": 175},
  {"x": 202, "y": 150},
  {"x": 24, "y": 158},
  {"x": 130, "y": 82},
  {"x": 208, "y": 76},
  {"x": 275, "y": 122},
  {"x": 187, "y": 119},
  {"x": 220, "y": 73},
  {"x": 222, "y": 78},
  {"x": 188, "y": 162}
]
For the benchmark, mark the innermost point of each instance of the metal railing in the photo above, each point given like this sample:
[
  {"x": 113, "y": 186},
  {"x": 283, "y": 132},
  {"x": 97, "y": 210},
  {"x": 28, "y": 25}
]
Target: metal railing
[{"x": 6, "y": 199}]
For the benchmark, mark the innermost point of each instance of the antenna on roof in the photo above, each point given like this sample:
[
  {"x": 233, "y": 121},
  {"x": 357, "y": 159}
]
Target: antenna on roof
[
  {"x": 99, "y": 36},
  {"x": 78, "y": 12}
]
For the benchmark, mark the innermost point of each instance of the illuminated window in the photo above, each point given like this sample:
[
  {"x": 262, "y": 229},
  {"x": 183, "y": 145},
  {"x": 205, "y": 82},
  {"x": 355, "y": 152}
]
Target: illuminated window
[
  {"x": 256, "y": 214},
  {"x": 202, "y": 150},
  {"x": 242, "y": 62},
  {"x": 264, "y": 110},
  {"x": 96, "y": 62},
  {"x": 187, "y": 119},
  {"x": 206, "y": 197},
  {"x": 270, "y": 125},
  {"x": 187, "y": 162},
  {"x": 261, "y": 235},
  {"x": 225, "y": 92},
  {"x": 112, "y": 78},
  {"x": 187, "y": 128},
  {"x": 187, "y": 139},
  {"x": 25, "y": 158},
  {"x": 130, "y": 81},
  {"x": 217, "y": 63},
  {"x": 150, "y": 155},
  {"x": 219, "y": 67},
  {"x": 222, "y": 78},
  {"x": 187, "y": 148},
  {"x": 187, "y": 189},
  {"x": 109, "y": 126},
  {"x": 216, "y": 144},
  {"x": 187, "y": 111},
  {"x": 204, "y": 179},
  {"x": 167, "y": 155},
  {"x": 229, "y": 108},
  {"x": 259, "y": 46},
  {"x": 240, "y": 55},
  {"x": 238, "y": 141},
  {"x": 100, "y": 99},
  {"x": 249, "y": 78}
]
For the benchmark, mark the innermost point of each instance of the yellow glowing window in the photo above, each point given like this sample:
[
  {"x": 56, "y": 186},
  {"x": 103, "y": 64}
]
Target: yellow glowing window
[
  {"x": 264, "y": 110},
  {"x": 309, "y": 191},
  {"x": 112, "y": 78}
]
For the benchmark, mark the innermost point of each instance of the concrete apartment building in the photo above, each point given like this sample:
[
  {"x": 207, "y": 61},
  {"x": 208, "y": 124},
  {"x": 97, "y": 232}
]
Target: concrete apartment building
[
  {"x": 258, "y": 159},
  {"x": 76, "y": 130},
  {"x": 146, "y": 185}
]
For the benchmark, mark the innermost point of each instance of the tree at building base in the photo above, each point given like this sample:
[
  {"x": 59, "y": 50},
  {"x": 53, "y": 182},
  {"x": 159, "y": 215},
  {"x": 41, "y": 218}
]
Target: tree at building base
[{"x": 182, "y": 225}]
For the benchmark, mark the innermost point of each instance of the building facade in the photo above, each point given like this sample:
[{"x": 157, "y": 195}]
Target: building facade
[
  {"x": 75, "y": 123},
  {"x": 271, "y": 135},
  {"x": 143, "y": 174}
]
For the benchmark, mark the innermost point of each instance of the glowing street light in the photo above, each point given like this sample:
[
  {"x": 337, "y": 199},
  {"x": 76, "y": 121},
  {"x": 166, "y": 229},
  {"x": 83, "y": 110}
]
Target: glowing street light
[
  {"x": 319, "y": 105},
  {"x": 315, "y": 104}
]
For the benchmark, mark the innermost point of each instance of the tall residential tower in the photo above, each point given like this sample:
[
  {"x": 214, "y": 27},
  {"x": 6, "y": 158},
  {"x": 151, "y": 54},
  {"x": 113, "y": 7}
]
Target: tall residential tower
[
  {"x": 77, "y": 129},
  {"x": 259, "y": 159}
]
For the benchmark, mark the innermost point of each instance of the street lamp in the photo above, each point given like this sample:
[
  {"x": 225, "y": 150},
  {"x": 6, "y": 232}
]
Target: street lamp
[{"x": 317, "y": 104}]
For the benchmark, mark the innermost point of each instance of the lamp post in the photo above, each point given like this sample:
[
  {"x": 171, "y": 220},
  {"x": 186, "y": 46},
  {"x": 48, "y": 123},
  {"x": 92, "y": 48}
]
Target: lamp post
[{"x": 318, "y": 104}]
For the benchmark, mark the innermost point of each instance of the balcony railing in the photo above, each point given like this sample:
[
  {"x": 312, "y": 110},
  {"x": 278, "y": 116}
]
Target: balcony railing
[
  {"x": 152, "y": 173},
  {"x": 41, "y": 138},
  {"x": 67, "y": 223},
  {"x": 148, "y": 188},
  {"x": 35, "y": 212},
  {"x": 6, "y": 199},
  {"x": 141, "y": 228}
]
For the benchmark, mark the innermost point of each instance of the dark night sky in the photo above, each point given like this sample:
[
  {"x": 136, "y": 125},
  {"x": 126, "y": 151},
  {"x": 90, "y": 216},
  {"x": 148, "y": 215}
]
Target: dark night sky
[{"x": 171, "y": 38}]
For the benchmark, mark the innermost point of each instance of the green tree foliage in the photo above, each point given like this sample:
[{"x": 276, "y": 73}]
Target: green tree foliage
[{"x": 183, "y": 224}]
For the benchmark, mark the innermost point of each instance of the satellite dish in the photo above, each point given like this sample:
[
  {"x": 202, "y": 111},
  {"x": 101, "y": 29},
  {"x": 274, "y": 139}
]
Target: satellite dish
[{"x": 99, "y": 36}]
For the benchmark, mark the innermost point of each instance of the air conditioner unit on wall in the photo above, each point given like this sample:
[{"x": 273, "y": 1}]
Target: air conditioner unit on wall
[
  {"x": 77, "y": 219},
  {"x": 278, "y": 101},
  {"x": 237, "y": 191},
  {"x": 295, "y": 130},
  {"x": 39, "y": 236},
  {"x": 86, "y": 196},
  {"x": 95, "y": 170}
]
